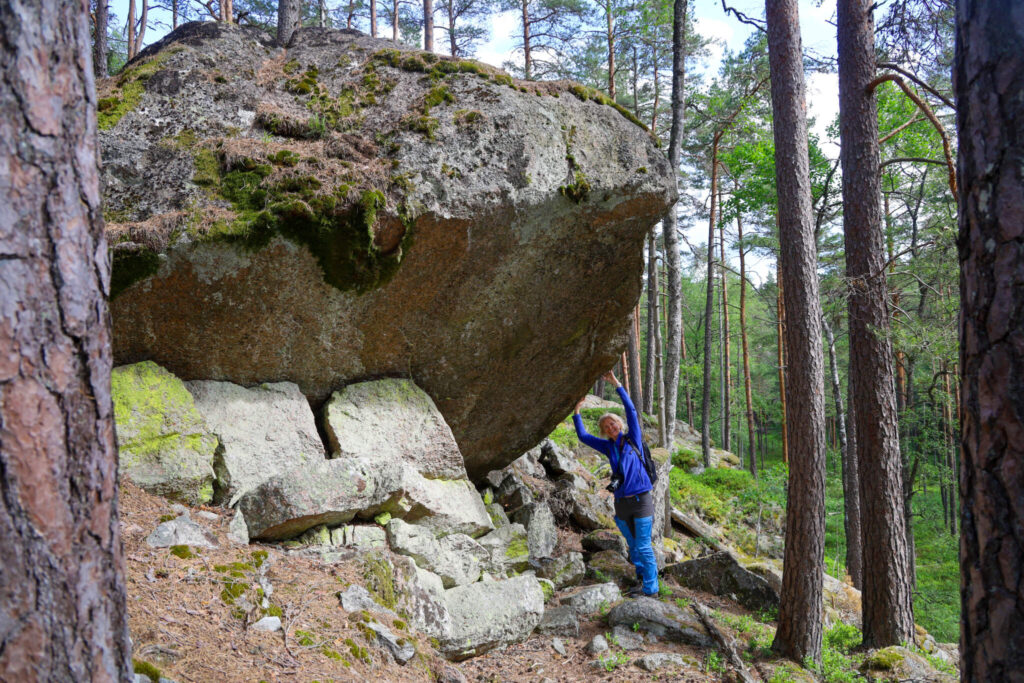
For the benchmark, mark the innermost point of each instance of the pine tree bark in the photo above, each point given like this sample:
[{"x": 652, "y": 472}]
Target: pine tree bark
[
  {"x": 673, "y": 259},
  {"x": 288, "y": 21},
  {"x": 62, "y": 596},
  {"x": 781, "y": 336},
  {"x": 611, "y": 48},
  {"x": 705, "y": 426},
  {"x": 851, "y": 496},
  {"x": 726, "y": 359},
  {"x": 652, "y": 316},
  {"x": 659, "y": 374},
  {"x": 633, "y": 353},
  {"x": 99, "y": 44},
  {"x": 746, "y": 348},
  {"x": 373, "y": 18},
  {"x": 527, "y": 58},
  {"x": 428, "y": 25},
  {"x": 988, "y": 77},
  {"x": 887, "y": 608},
  {"x": 799, "y": 632}
]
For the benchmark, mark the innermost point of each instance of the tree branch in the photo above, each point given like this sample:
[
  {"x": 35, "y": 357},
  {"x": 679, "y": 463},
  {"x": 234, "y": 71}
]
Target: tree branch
[
  {"x": 911, "y": 76},
  {"x": 743, "y": 18}
]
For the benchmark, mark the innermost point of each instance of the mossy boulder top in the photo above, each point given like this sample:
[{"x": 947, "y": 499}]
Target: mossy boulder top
[{"x": 347, "y": 208}]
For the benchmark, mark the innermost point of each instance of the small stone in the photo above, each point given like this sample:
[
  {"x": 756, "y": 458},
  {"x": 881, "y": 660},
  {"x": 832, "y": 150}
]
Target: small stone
[
  {"x": 597, "y": 645},
  {"x": 658, "y": 660},
  {"x": 356, "y": 599},
  {"x": 589, "y": 600},
  {"x": 561, "y": 621},
  {"x": 181, "y": 531},
  {"x": 400, "y": 648},
  {"x": 627, "y": 639},
  {"x": 269, "y": 624},
  {"x": 179, "y": 509},
  {"x": 238, "y": 532},
  {"x": 208, "y": 516},
  {"x": 558, "y": 646}
]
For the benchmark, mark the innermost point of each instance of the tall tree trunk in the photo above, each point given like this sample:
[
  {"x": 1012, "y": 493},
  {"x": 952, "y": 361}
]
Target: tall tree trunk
[
  {"x": 141, "y": 33},
  {"x": 851, "y": 496},
  {"x": 611, "y": 48},
  {"x": 659, "y": 371},
  {"x": 394, "y": 20},
  {"x": 428, "y": 25},
  {"x": 650, "y": 374},
  {"x": 130, "y": 26},
  {"x": 633, "y": 352},
  {"x": 673, "y": 259},
  {"x": 373, "y": 18},
  {"x": 726, "y": 358},
  {"x": 288, "y": 20},
  {"x": 655, "y": 72},
  {"x": 453, "y": 44},
  {"x": 527, "y": 59},
  {"x": 686, "y": 380},
  {"x": 948, "y": 458},
  {"x": 62, "y": 595},
  {"x": 321, "y": 14},
  {"x": 799, "y": 632},
  {"x": 887, "y": 608},
  {"x": 99, "y": 44},
  {"x": 988, "y": 77},
  {"x": 705, "y": 427},
  {"x": 781, "y": 333},
  {"x": 746, "y": 349}
]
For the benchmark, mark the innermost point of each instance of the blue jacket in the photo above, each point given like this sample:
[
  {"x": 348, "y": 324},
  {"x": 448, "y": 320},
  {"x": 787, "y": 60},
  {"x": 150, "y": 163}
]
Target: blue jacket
[{"x": 621, "y": 454}]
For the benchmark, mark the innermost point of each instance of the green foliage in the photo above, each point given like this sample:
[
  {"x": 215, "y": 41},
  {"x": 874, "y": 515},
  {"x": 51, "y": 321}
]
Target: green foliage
[
  {"x": 184, "y": 552},
  {"x": 713, "y": 662},
  {"x": 613, "y": 660},
  {"x": 146, "y": 669}
]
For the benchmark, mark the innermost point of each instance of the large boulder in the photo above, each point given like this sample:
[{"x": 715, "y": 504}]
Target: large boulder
[
  {"x": 263, "y": 431},
  {"x": 326, "y": 213},
  {"x": 661, "y": 619},
  {"x": 456, "y": 558},
  {"x": 163, "y": 442},
  {"x": 490, "y": 614}
]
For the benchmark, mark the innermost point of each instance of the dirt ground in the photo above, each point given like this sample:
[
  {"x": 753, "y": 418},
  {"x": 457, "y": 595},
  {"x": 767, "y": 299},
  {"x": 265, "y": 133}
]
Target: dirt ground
[{"x": 182, "y": 624}]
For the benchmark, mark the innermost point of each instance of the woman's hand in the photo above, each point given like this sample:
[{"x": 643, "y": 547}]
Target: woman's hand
[
  {"x": 579, "y": 405},
  {"x": 610, "y": 377}
]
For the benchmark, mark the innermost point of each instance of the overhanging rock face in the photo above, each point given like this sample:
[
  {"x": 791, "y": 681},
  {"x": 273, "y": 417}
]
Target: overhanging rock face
[{"x": 347, "y": 209}]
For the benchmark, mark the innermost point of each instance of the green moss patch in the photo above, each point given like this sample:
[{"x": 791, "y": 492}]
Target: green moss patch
[
  {"x": 184, "y": 552},
  {"x": 380, "y": 581},
  {"x": 146, "y": 669},
  {"x": 127, "y": 94}
]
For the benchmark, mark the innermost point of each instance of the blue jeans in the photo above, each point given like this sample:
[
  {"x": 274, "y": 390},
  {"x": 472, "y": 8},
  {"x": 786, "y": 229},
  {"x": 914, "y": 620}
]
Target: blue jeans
[{"x": 641, "y": 554}]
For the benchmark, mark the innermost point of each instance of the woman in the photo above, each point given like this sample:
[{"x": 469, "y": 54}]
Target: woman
[{"x": 634, "y": 505}]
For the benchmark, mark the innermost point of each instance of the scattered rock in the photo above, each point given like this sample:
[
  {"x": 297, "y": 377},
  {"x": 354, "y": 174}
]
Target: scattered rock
[
  {"x": 577, "y": 481},
  {"x": 660, "y": 660},
  {"x": 263, "y": 431},
  {"x": 420, "y": 595},
  {"x": 558, "y": 646},
  {"x": 181, "y": 531},
  {"x": 238, "y": 532},
  {"x": 589, "y": 600},
  {"x": 609, "y": 565},
  {"x": 663, "y": 619},
  {"x": 560, "y": 621},
  {"x": 163, "y": 442},
  {"x": 548, "y": 587},
  {"x": 401, "y": 649},
  {"x": 626, "y": 638},
  {"x": 590, "y": 511},
  {"x": 355, "y": 598},
  {"x": 556, "y": 461},
  {"x": 508, "y": 548},
  {"x": 450, "y": 674},
  {"x": 497, "y": 514},
  {"x": 597, "y": 645},
  {"x": 541, "y": 533},
  {"x": 208, "y": 516},
  {"x": 900, "y": 663},
  {"x": 362, "y": 537},
  {"x": 489, "y": 615},
  {"x": 721, "y": 574},
  {"x": 605, "y": 539},
  {"x": 457, "y": 558},
  {"x": 512, "y": 493},
  {"x": 269, "y": 624},
  {"x": 564, "y": 570}
]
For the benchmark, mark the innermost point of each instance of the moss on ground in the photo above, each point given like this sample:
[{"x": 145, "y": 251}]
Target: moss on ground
[{"x": 128, "y": 90}]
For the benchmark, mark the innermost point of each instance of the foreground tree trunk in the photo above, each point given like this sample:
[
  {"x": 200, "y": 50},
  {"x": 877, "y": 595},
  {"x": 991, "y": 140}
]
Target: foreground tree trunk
[
  {"x": 887, "y": 609},
  {"x": 800, "y": 627},
  {"x": 673, "y": 259},
  {"x": 62, "y": 598},
  {"x": 989, "y": 78}
]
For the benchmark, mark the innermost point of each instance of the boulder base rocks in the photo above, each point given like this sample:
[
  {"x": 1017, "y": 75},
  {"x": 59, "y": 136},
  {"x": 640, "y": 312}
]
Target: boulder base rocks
[
  {"x": 262, "y": 431},
  {"x": 327, "y": 214},
  {"x": 486, "y": 615},
  {"x": 163, "y": 443},
  {"x": 662, "y": 619}
]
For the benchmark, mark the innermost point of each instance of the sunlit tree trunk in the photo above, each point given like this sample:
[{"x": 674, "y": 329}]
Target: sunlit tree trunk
[
  {"x": 726, "y": 359},
  {"x": 428, "y": 25},
  {"x": 62, "y": 595},
  {"x": 527, "y": 58},
  {"x": 288, "y": 20},
  {"x": 673, "y": 259},
  {"x": 887, "y": 608},
  {"x": 650, "y": 375},
  {"x": 746, "y": 349},
  {"x": 780, "y": 328},
  {"x": 799, "y": 633},
  {"x": 705, "y": 429},
  {"x": 99, "y": 45}
]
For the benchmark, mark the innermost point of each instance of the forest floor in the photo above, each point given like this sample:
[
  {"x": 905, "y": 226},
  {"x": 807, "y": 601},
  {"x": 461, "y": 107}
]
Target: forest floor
[{"x": 181, "y": 624}]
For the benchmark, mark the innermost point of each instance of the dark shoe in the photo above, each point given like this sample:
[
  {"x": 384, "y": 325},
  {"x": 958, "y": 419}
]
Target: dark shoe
[{"x": 635, "y": 591}]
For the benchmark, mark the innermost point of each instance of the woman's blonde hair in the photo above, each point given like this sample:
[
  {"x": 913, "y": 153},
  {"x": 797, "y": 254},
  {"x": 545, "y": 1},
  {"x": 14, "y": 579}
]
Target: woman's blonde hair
[{"x": 613, "y": 416}]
